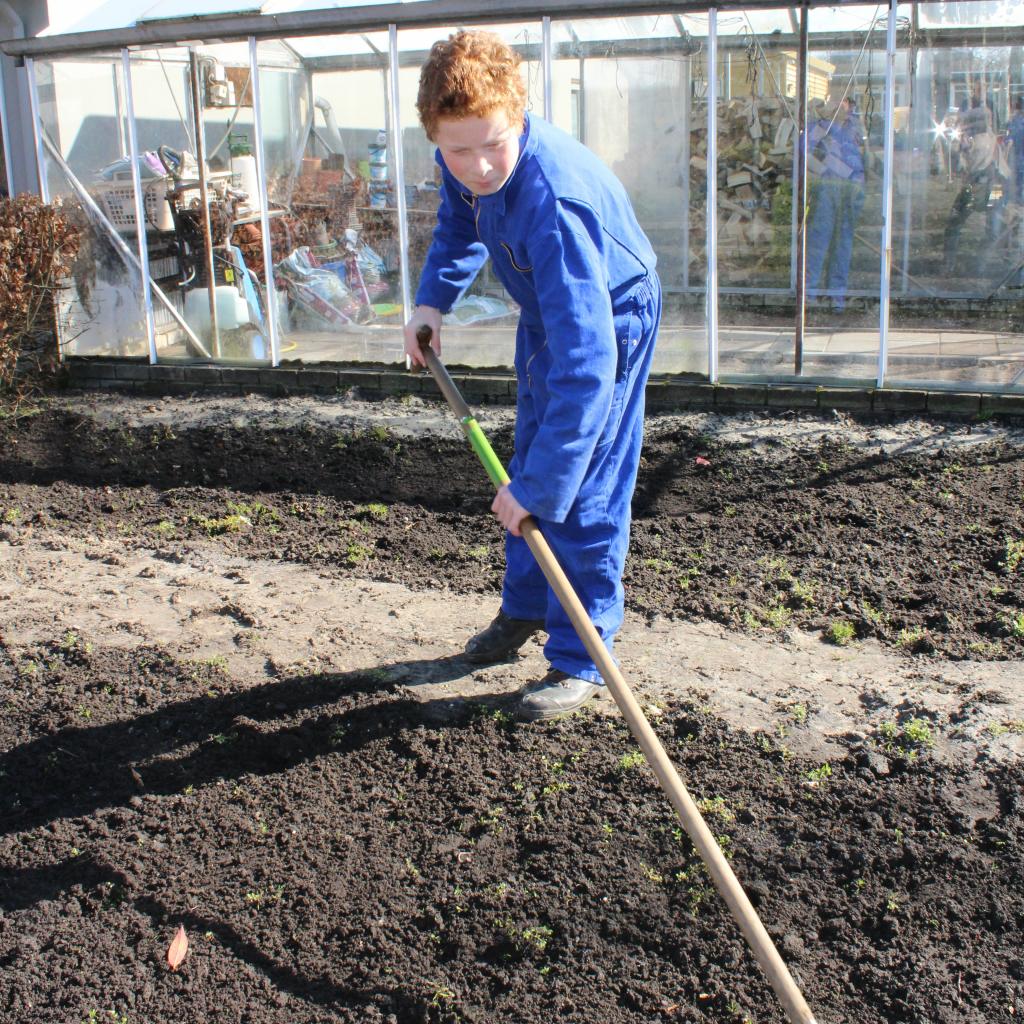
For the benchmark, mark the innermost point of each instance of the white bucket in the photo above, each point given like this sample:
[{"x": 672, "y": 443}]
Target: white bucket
[
  {"x": 248, "y": 181},
  {"x": 232, "y": 309}
]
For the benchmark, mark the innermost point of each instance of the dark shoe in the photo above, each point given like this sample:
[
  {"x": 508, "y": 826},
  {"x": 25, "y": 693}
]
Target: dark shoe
[
  {"x": 558, "y": 693},
  {"x": 501, "y": 639}
]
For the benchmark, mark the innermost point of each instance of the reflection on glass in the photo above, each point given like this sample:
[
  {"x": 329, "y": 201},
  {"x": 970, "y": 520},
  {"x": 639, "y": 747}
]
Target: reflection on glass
[
  {"x": 332, "y": 181},
  {"x": 758, "y": 112},
  {"x": 845, "y": 178},
  {"x": 633, "y": 90},
  {"x": 82, "y": 112},
  {"x": 958, "y": 235}
]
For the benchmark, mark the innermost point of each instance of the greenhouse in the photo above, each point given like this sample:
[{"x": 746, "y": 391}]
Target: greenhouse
[{"x": 257, "y": 188}]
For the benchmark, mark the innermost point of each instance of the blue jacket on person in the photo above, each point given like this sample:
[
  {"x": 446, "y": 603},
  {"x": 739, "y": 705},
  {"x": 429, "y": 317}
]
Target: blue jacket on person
[{"x": 564, "y": 241}]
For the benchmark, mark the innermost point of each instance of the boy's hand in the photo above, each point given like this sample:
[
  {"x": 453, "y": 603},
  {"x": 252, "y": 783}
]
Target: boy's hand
[
  {"x": 432, "y": 318},
  {"x": 508, "y": 511}
]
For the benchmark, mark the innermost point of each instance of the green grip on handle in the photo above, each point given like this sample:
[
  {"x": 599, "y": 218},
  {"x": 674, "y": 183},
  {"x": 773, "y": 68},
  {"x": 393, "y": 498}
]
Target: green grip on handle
[{"x": 484, "y": 451}]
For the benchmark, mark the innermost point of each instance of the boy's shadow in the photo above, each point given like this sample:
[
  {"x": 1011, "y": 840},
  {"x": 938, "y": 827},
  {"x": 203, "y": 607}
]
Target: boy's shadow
[{"x": 268, "y": 728}]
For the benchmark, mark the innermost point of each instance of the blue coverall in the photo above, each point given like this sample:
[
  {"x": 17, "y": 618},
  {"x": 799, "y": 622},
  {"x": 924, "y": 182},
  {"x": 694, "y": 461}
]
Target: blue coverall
[
  {"x": 564, "y": 241},
  {"x": 837, "y": 200}
]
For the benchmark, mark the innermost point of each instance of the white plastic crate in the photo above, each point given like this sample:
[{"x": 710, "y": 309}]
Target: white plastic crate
[{"x": 117, "y": 201}]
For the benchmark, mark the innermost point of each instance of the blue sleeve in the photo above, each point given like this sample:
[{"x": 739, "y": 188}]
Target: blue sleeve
[
  {"x": 567, "y": 253},
  {"x": 456, "y": 253}
]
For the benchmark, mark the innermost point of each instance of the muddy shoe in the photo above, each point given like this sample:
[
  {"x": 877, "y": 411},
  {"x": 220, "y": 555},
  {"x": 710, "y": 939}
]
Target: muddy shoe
[
  {"x": 501, "y": 639},
  {"x": 556, "y": 694}
]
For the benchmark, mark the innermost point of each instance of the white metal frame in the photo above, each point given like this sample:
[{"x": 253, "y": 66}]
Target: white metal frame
[
  {"x": 399, "y": 164},
  {"x": 546, "y": 66},
  {"x": 887, "y": 196},
  {"x": 37, "y": 128},
  {"x": 139, "y": 199},
  {"x": 711, "y": 237},
  {"x": 5, "y": 132},
  {"x": 270, "y": 304}
]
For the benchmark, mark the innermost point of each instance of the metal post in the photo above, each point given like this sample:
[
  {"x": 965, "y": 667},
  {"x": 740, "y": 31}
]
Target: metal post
[
  {"x": 687, "y": 111},
  {"x": 800, "y": 195},
  {"x": 119, "y": 111},
  {"x": 545, "y": 63},
  {"x": 37, "y": 129},
  {"x": 140, "y": 206},
  {"x": 887, "y": 190},
  {"x": 270, "y": 300},
  {"x": 711, "y": 240},
  {"x": 118, "y": 242},
  {"x": 4, "y": 117},
  {"x": 399, "y": 165},
  {"x": 908, "y": 192},
  {"x": 204, "y": 196}
]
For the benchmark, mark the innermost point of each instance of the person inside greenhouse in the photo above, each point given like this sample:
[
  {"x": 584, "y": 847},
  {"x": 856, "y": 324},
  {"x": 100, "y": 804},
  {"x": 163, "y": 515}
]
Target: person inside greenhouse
[
  {"x": 977, "y": 165},
  {"x": 564, "y": 242},
  {"x": 836, "y": 169},
  {"x": 1015, "y": 133}
]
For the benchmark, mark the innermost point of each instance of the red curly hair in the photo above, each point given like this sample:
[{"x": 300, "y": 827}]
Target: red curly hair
[{"x": 470, "y": 74}]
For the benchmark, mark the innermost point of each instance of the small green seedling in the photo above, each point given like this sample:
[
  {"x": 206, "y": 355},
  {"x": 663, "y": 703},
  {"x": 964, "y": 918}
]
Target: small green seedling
[
  {"x": 631, "y": 762},
  {"x": 911, "y": 637},
  {"x": 840, "y": 632},
  {"x": 919, "y": 732},
  {"x": 1014, "y": 554}
]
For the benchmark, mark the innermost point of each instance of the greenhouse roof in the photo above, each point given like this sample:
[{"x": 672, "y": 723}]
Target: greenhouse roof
[
  {"x": 115, "y": 14},
  {"x": 140, "y": 23}
]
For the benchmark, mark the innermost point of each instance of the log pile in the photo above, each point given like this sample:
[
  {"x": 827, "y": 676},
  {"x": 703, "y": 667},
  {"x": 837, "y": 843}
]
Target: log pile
[{"x": 756, "y": 141}]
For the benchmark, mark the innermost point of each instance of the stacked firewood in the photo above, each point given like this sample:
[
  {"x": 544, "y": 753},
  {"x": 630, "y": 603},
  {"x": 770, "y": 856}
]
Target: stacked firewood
[{"x": 756, "y": 141}]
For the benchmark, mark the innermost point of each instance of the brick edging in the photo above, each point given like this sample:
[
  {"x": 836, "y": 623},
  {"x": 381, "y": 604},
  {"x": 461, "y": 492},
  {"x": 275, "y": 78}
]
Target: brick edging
[{"x": 663, "y": 394}]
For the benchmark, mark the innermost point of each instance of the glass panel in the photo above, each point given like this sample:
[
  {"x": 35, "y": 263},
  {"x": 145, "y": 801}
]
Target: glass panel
[
  {"x": 331, "y": 186},
  {"x": 757, "y": 134},
  {"x": 82, "y": 113},
  {"x": 230, "y": 324},
  {"x": 845, "y": 174},
  {"x": 958, "y": 223},
  {"x": 633, "y": 90},
  {"x": 480, "y": 330},
  {"x": 164, "y": 128}
]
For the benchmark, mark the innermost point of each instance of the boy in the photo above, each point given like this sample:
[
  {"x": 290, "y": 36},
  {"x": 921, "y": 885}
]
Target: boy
[{"x": 564, "y": 241}]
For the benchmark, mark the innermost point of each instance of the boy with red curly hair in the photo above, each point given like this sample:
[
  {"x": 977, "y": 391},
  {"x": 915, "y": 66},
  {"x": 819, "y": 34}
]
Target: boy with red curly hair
[{"x": 564, "y": 241}]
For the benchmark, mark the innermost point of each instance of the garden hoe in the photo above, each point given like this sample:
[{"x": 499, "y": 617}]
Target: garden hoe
[{"x": 721, "y": 873}]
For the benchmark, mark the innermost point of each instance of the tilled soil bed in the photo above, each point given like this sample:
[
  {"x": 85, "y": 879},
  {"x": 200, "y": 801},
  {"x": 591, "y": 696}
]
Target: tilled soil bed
[
  {"x": 924, "y": 550},
  {"x": 340, "y": 850}
]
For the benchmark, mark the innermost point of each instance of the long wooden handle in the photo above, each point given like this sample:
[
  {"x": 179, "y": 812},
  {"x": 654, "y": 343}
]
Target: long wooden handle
[{"x": 703, "y": 840}]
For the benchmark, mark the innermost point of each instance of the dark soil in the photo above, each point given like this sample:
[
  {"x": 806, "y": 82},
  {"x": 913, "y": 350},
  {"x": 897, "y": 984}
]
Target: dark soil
[
  {"x": 923, "y": 551},
  {"x": 338, "y": 852}
]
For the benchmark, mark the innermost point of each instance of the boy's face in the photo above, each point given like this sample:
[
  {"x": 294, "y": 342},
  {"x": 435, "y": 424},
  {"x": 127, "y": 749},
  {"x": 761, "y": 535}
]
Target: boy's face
[{"x": 480, "y": 151}]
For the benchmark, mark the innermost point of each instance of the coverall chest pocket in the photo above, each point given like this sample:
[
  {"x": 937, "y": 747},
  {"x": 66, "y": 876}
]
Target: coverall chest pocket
[{"x": 519, "y": 259}]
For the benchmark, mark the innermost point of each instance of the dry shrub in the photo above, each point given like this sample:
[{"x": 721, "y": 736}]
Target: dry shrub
[{"x": 38, "y": 245}]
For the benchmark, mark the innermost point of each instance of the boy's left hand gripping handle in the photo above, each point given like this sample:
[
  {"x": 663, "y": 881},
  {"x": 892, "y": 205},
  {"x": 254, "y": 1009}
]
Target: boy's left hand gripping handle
[{"x": 437, "y": 369}]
